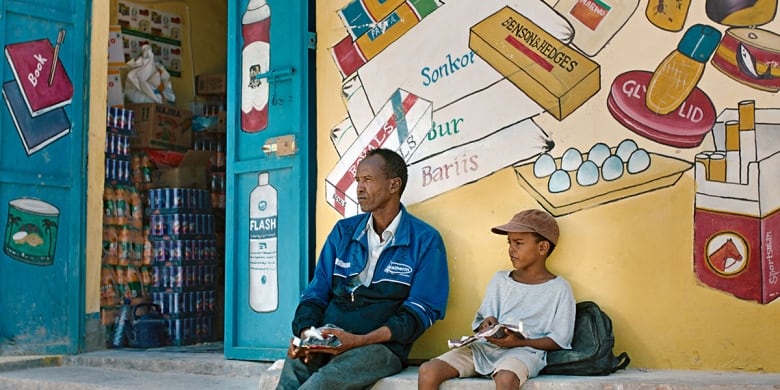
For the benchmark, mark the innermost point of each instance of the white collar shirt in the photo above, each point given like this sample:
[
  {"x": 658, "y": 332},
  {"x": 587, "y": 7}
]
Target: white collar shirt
[{"x": 376, "y": 246}]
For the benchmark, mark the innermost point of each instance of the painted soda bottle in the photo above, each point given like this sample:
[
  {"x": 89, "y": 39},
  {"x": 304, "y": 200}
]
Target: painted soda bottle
[
  {"x": 256, "y": 60},
  {"x": 263, "y": 288}
]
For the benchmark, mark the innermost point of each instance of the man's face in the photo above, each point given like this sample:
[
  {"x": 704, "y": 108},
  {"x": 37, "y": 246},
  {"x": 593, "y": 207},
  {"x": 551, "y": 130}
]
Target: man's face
[{"x": 374, "y": 189}]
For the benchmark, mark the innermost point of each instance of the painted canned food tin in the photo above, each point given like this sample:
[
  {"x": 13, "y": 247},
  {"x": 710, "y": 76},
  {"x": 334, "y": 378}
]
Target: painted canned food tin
[{"x": 31, "y": 231}]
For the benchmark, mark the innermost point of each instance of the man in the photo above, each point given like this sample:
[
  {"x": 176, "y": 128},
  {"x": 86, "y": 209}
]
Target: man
[{"x": 381, "y": 280}]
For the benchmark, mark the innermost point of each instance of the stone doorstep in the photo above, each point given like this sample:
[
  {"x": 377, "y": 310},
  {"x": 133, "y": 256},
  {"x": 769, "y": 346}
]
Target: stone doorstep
[
  {"x": 629, "y": 379},
  {"x": 267, "y": 374}
]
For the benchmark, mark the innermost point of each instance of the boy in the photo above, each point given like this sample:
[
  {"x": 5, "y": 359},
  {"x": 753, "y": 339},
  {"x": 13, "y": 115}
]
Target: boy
[{"x": 530, "y": 294}]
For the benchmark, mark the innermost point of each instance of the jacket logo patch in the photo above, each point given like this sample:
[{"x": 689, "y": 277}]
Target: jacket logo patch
[
  {"x": 342, "y": 264},
  {"x": 398, "y": 269}
]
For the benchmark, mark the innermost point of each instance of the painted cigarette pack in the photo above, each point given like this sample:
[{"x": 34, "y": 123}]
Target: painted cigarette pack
[
  {"x": 737, "y": 213},
  {"x": 556, "y": 76},
  {"x": 401, "y": 125}
]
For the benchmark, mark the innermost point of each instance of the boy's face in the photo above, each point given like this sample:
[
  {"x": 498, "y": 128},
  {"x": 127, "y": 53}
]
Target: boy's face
[{"x": 525, "y": 250}]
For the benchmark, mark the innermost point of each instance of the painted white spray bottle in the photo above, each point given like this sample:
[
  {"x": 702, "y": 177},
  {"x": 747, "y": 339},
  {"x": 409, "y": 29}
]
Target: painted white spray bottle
[{"x": 263, "y": 280}]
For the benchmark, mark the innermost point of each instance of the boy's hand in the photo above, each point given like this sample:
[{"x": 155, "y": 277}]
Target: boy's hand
[
  {"x": 511, "y": 340},
  {"x": 487, "y": 323}
]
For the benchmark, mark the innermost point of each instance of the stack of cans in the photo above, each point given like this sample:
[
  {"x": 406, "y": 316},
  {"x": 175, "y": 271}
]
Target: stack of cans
[
  {"x": 119, "y": 129},
  {"x": 183, "y": 256}
]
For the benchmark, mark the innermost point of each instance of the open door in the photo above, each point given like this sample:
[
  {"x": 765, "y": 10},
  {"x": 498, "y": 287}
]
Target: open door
[
  {"x": 42, "y": 175},
  {"x": 270, "y": 173}
]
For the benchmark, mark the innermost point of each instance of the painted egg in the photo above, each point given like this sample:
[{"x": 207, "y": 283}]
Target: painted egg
[
  {"x": 598, "y": 153},
  {"x": 588, "y": 174},
  {"x": 544, "y": 165},
  {"x": 559, "y": 181},
  {"x": 639, "y": 161},
  {"x": 625, "y": 148},
  {"x": 571, "y": 160},
  {"x": 612, "y": 168}
]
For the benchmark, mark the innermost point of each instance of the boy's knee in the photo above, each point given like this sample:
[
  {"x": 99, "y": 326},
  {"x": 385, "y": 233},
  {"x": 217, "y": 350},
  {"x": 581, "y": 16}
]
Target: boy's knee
[
  {"x": 505, "y": 379},
  {"x": 427, "y": 370}
]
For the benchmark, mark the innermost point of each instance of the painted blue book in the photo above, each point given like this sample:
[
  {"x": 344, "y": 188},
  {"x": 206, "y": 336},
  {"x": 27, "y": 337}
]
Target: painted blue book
[{"x": 35, "y": 132}]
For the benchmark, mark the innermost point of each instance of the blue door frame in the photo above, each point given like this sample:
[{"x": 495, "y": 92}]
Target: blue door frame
[
  {"x": 43, "y": 157},
  {"x": 271, "y": 172}
]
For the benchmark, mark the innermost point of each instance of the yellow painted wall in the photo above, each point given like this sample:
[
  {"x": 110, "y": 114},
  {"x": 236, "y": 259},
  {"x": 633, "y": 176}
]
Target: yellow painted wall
[{"x": 634, "y": 256}]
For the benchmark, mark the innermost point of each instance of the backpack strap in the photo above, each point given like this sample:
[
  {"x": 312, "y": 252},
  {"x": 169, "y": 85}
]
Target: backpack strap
[{"x": 622, "y": 361}]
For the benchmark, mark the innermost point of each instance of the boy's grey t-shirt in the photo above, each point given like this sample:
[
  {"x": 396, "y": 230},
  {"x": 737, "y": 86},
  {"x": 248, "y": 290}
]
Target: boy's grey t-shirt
[{"x": 546, "y": 310}]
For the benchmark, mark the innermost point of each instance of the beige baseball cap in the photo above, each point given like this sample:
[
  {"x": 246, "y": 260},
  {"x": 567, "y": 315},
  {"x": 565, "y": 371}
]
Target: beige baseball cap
[{"x": 531, "y": 221}]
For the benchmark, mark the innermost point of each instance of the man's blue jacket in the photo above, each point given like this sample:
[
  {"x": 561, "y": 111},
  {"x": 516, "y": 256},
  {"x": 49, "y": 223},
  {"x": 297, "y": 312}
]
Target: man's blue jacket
[{"x": 408, "y": 292}]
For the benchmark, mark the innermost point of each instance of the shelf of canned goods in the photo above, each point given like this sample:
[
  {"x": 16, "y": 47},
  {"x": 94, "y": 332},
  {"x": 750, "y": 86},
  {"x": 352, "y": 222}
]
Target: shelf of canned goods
[{"x": 184, "y": 262}]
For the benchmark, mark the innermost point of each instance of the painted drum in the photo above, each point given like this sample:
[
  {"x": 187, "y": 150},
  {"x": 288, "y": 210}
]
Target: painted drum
[
  {"x": 750, "y": 56},
  {"x": 31, "y": 231},
  {"x": 740, "y": 13},
  {"x": 684, "y": 127}
]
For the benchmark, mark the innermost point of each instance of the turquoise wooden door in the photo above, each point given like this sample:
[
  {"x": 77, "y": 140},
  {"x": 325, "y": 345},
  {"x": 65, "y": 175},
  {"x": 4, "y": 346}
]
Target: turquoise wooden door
[
  {"x": 270, "y": 173},
  {"x": 43, "y": 175}
]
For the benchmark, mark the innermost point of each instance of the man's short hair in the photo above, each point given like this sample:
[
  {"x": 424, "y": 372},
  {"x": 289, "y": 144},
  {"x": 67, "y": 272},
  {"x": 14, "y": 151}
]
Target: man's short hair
[{"x": 395, "y": 166}]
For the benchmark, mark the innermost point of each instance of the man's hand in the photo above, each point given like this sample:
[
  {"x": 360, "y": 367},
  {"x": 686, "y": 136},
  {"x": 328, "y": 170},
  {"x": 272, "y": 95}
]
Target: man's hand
[
  {"x": 348, "y": 341},
  {"x": 294, "y": 352}
]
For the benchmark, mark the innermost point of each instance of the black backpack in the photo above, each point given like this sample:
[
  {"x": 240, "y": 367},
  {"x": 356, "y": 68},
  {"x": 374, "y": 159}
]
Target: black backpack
[{"x": 591, "y": 352}]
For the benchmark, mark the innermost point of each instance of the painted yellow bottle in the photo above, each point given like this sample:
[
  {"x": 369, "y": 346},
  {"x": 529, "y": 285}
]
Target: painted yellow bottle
[
  {"x": 677, "y": 75},
  {"x": 668, "y": 15},
  {"x": 595, "y": 22}
]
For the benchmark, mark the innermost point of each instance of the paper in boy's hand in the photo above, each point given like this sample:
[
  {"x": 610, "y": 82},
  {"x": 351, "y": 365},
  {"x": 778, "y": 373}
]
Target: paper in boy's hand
[
  {"x": 498, "y": 331},
  {"x": 313, "y": 338}
]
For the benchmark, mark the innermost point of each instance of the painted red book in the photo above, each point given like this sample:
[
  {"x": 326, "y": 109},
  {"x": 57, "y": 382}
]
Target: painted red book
[{"x": 31, "y": 63}]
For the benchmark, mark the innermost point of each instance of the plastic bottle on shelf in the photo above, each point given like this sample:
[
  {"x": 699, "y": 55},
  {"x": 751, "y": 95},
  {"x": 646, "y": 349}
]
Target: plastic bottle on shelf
[
  {"x": 109, "y": 205},
  {"x": 256, "y": 59},
  {"x": 118, "y": 338},
  {"x": 263, "y": 288},
  {"x": 679, "y": 73}
]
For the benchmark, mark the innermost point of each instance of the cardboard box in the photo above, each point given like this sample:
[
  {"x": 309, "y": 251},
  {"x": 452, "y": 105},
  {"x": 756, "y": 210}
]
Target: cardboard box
[
  {"x": 161, "y": 126},
  {"x": 192, "y": 172},
  {"x": 554, "y": 75},
  {"x": 211, "y": 84}
]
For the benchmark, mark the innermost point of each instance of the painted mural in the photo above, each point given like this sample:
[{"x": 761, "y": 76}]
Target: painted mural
[
  {"x": 37, "y": 96},
  {"x": 458, "y": 87},
  {"x": 36, "y": 100}
]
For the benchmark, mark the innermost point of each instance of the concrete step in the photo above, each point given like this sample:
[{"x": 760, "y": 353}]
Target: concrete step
[
  {"x": 102, "y": 378},
  {"x": 631, "y": 379},
  {"x": 169, "y": 369},
  {"x": 128, "y": 369}
]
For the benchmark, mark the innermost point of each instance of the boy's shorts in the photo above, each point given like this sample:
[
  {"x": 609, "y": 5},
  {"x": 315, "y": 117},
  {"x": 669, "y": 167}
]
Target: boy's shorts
[{"x": 463, "y": 361}]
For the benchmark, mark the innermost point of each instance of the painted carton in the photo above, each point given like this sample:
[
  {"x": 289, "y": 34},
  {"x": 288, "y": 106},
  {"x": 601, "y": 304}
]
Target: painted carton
[
  {"x": 737, "y": 215},
  {"x": 554, "y": 75},
  {"x": 401, "y": 125},
  {"x": 473, "y": 161}
]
